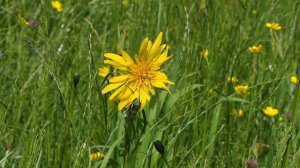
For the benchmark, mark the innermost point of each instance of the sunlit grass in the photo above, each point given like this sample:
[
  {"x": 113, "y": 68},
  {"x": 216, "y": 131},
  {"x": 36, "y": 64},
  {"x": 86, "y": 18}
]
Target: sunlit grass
[{"x": 52, "y": 112}]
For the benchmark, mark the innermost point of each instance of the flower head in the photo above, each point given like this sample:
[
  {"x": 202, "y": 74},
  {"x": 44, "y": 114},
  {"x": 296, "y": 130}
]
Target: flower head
[
  {"x": 273, "y": 26},
  {"x": 251, "y": 163},
  {"x": 104, "y": 71},
  {"x": 270, "y": 112},
  {"x": 23, "y": 21},
  {"x": 238, "y": 112},
  {"x": 288, "y": 115},
  {"x": 96, "y": 156},
  {"x": 138, "y": 78},
  {"x": 241, "y": 112},
  {"x": 242, "y": 89},
  {"x": 204, "y": 53},
  {"x": 294, "y": 80},
  {"x": 57, "y": 5},
  {"x": 212, "y": 91},
  {"x": 255, "y": 49},
  {"x": 32, "y": 23},
  {"x": 8, "y": 146},
  {"x": 159, "y": 146},
  {"x": 125, "y": 3},
  {"x": 233, "y": 79}
]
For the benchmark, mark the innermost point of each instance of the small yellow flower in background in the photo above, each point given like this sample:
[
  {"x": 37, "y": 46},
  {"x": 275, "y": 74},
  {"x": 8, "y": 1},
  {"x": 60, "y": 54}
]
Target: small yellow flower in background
[
  {"x": 242, "y": 89},
  {"x": 204, "y": 53},
  {"x": 269, "y": 111},
  {"x": 273, "y": 26},
  {"x": 211, "y": 91},
  {"x": 294, "y": 80},
  {"x": 238, "y": 112},
  {"x": 233, "y": 79},
  {"x": 280, "y": 118},
  {"x": 23, "y": 21},
  {"x": 125, "y": 3},
  {"x": 241, "y": 112},
  {"x": 255, "y": 49},
  {"x": 96, "y": 156},
  {"x": 104, "y": 71},
  {"x": 57, "y": 5},
  {"x": 140, "y": 76}
]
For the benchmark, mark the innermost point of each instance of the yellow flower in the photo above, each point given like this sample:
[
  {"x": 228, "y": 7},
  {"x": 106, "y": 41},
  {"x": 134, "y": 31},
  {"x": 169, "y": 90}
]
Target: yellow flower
[
  {"x": 139, "y": 77},
  {"x": 255, "y": 49},
  {"x": 204, "y": 53},
  {"x": 273, "y": 26},
  {"x": 241, "y": 112},
  {"x": 104, "y": 71},
  {"x": 233, "y": 79},
  {"x": 57, "y": 5},
  {"x": 125, "y": 3},
  {"x": 280, "y": 118},
  {"x": 269, "y": 111},
  {"x": 242, "y": 89},
  {"x": 238, "y": 112},
  {"x": 294, "y": 79},
  {"x": 96, "y": 156},
  {"x": 211, "y": 91},
  {"x": 23, "y": 21}
]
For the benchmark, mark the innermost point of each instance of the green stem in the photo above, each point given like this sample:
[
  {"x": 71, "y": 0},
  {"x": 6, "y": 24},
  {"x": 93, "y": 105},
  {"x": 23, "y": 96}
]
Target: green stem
[{"x": 164, "y": 158}]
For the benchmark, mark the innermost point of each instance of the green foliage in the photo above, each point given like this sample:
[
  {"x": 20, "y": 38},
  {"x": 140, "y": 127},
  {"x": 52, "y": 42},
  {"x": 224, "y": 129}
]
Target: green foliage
[{"x": 47, "y": 120}]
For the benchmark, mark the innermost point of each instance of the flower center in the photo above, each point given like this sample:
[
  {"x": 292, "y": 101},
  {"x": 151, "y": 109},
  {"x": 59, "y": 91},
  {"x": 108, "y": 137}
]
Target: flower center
[
  {"x": 142, "y": 71},
  {"x": 142, "y": 74}
]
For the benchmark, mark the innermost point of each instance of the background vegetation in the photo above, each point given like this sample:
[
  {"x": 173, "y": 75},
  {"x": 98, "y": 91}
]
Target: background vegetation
[{"x": 53, "y": 115}]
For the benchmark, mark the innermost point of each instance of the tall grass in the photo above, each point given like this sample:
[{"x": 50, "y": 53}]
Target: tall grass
[{"x": 52, "y": 113}]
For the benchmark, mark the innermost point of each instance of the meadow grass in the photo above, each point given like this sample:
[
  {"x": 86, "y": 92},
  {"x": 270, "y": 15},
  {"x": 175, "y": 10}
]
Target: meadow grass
[{"x": 52, "y": 113}]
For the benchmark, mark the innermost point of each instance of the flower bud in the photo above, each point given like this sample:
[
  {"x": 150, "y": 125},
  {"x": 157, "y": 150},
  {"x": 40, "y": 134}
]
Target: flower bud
[{"x": 159, "y": 146}]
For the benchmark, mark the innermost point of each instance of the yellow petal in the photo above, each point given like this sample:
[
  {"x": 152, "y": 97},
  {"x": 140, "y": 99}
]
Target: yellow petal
[
  {"x": 162, "y": 47},
  {"x": 126, "y": 103},
  {"x": 169, "y": 82},
  {"x": 126, "y": 57},
  {"x": 160, "y": 84},
  {"x": 162, "y": 58},
  {"x": 156, "y": 44},
  {"x": 160, "y": 76},
  {"x": 143, "y": 101},
  {"x": 116, "y": 58},
  {"x": 152, "y": 91},
  {"x": 143, "y": 47},
  {"x": 155, "y": 54},
  {"x": 110, "y": 87},
  {"x": 104, "y": 71},
  {"x": 118, "y": 79},
  {"x": 149, "y": 46},
  {"x": 115, "y": 65},
  {"x": 122, "y": 104},
  {"x": 125, "y": 95},
  {"x": 113, "y": 97}
]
